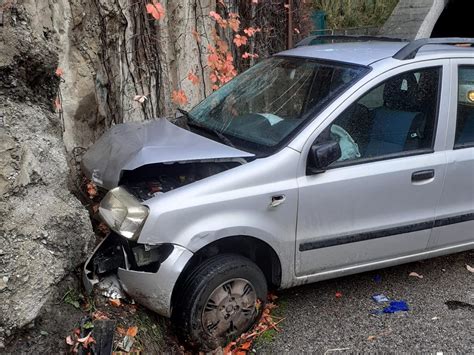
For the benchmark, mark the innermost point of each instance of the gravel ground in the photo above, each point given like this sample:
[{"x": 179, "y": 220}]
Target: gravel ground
[{"x": 319, "y": 322}]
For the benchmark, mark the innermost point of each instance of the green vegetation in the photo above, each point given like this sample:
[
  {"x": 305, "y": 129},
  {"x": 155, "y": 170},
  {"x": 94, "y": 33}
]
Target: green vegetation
[{"x": 355, "y": 13}]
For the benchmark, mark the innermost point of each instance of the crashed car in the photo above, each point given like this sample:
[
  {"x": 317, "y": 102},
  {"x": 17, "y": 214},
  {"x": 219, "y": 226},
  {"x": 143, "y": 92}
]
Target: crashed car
[{"x": 322, "y": 161}]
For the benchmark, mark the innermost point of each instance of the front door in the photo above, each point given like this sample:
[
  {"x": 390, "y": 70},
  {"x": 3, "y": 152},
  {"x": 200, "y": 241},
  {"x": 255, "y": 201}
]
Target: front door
[
  {"x": 454, "y": 223},
  {"x": 378, "y": 201}
]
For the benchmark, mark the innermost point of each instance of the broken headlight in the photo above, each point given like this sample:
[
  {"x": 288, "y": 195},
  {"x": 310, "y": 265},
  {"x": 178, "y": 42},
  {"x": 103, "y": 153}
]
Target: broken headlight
[{"x": 123, "y": 213}]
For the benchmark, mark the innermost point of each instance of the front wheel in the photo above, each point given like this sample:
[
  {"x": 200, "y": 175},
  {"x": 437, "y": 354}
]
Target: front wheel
[{"x": 218, "y": 301}]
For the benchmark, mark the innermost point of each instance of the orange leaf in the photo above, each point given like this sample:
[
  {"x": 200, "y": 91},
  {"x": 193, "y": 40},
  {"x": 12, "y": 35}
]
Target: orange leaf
[
  {"x": 57, "y": 104},
  {"x": 115, "y": 302},
  {"x": 196, "y": 36},
  {"x": 240, "y": 40},
  {"x": 156, "y": 10},
  {"x": 193, "y": 78},
  {"x": 91, "y": 190},
  {"x": 215, "y": 16},
  {"x": 99, "y": 315},
  {"x": 250, "y": 31},
  {"x": 59, "y": 72},
  {"x": 132, "y": 331},
  {"x": 234, "y": 24},
  {"x": 246, "y": 345},
  {"x": 179, "y": 97}
]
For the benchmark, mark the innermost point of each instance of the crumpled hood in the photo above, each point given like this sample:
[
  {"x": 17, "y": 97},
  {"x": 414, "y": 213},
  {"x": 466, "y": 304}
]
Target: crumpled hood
[{"x": 131, "y": 145}]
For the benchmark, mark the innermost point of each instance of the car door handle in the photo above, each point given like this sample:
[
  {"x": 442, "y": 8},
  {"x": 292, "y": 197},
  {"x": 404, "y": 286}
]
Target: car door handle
[
  {"x": 277, "y": 200},
  {"x": 422, "y": 175}
]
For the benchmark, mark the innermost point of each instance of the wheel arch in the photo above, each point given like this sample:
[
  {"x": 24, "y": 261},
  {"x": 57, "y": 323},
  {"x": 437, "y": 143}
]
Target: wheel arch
[{"x": 255, "y": 249}]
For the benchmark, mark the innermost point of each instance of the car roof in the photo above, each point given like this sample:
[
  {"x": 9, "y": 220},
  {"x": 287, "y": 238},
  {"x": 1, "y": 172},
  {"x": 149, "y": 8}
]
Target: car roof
[{"x": 366, "y": 53}]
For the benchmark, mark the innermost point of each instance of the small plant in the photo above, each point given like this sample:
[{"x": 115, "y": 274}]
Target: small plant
[{"x": 73, "y": 297}]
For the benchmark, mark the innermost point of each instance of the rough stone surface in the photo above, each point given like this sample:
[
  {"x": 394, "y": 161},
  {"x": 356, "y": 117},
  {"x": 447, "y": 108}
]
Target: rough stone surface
[
  {"x": 44, "y": 230},
  {"x": 413, "y": 18}
]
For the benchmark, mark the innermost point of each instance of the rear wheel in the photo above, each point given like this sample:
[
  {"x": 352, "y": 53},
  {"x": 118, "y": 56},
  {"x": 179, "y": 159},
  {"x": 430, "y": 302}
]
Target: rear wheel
[{"x": 218, "y": 301}]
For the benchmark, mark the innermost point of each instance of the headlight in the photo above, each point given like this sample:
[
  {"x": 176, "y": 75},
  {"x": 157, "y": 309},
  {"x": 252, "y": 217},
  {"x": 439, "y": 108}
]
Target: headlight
[{"x": 123, "y": 213}]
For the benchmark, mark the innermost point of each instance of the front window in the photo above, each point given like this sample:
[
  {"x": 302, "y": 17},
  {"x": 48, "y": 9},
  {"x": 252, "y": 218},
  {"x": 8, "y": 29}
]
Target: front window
[
  {"x": 263, "y": 107},
  {"x": 395, "y": 118}
]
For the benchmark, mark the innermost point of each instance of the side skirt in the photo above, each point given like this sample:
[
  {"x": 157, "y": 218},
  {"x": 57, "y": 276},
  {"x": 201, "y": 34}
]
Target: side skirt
[{"x": 354, "y": 269}]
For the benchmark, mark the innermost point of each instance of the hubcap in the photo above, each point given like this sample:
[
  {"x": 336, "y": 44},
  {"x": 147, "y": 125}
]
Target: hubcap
[{"x": 230, "y": 309}]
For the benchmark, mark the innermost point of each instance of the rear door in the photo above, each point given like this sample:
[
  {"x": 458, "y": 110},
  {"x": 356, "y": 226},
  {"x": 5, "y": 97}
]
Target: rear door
[
  {"x": 379, "y": 201},
  {"x": 455, "y": 215}
]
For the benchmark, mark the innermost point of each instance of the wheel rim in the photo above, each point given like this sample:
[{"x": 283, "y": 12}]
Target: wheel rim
[{"x": 230, "y": 309}]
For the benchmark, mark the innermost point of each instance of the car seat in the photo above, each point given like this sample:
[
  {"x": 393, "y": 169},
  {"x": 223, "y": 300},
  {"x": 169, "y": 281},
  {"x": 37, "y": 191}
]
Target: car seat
[
  {"x": 466, "y": 131},
  {"x": 397, "y": 125}
]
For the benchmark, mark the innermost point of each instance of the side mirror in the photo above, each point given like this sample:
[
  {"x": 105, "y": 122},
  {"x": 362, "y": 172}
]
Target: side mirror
[{"x": 321, "y": 155}]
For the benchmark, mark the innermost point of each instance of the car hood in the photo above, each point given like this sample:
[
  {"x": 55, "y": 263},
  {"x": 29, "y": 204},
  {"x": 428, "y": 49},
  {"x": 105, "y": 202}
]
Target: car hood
[{"x": 131, "y": 145}]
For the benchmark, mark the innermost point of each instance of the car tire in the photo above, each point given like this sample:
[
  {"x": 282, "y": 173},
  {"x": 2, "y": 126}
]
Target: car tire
[{"x": 218, "y": 301}]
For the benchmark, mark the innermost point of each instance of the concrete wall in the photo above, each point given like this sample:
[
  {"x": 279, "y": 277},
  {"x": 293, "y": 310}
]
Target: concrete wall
[{"x": 413, "y": 18}]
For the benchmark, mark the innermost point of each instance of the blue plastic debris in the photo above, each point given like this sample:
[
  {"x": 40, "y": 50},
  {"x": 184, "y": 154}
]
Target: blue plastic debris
[
  {"x": 379, "y": 298},
  {"x": 396, "y": 306},
  {"x": 378, "y": 279}
]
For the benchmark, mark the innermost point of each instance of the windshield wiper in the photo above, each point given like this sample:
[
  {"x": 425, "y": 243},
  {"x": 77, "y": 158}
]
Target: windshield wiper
[{"x": 191, "y": 121}]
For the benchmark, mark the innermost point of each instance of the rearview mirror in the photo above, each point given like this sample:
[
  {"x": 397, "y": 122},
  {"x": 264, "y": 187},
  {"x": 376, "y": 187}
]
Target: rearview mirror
[{"x": 322, "y": 155}]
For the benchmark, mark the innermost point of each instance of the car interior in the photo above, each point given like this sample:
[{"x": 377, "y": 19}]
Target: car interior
[{"x": 397, "y": 116}]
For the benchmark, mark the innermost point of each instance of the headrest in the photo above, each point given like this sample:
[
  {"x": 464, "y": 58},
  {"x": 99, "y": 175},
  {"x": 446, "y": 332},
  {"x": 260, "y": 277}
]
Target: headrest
[{"x": 398, "y": 93}]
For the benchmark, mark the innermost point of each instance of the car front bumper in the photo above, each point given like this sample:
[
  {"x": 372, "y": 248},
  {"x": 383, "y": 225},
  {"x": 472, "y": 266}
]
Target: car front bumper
[{"x": 150, "y": 285}]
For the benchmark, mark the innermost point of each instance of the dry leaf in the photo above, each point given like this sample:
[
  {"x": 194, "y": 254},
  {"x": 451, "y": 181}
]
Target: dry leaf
[
  {"x": 140, "y": 98},
  {"x": 69, "y": 340},
  {"x": 59, "y": 72},
  {"x": 114, "y": 302},
  {"x": 371, "y": 337},
  {"x": 91, "y": 190},
  {"x": 86, "y": 340},
  {"x": 99, "y": 315},
  {"x": 338, "y": 294},
  {"x": 414, "y": 274},
  {"x": 132, "y": 331},
  {"x": 469, "y": 268}
]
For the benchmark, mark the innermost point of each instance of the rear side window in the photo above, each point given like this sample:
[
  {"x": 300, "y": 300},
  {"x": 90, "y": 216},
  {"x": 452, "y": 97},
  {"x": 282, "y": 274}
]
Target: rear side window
[
  {"x": 465, "y": 117},
  {"x": 396, "y": 118}
]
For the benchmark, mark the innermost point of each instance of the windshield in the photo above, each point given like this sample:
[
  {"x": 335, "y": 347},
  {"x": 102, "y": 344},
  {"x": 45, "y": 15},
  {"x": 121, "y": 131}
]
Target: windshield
[{"x": 261, "y": 109}]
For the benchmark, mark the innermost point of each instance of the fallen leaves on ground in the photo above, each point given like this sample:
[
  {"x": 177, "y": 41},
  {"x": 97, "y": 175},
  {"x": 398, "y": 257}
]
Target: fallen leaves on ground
[
  {"x": 91, "y": 190},
  {"x": 338, "y": 294},
  {"x": 414, "y": 274},
  {"x": 100, "y": 315},
  {"x": 75, "y": 341},
  {"x": 115, "y": 302},
  {"x": 267, "y": 322},
  {"x": 469, "y": 268}
]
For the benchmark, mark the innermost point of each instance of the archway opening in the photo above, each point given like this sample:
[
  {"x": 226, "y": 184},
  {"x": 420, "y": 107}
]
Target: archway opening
[{"x": 456, "y": 20}]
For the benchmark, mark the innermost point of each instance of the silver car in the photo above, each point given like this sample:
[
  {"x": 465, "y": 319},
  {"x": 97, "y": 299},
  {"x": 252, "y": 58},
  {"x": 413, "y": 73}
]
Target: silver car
[{"x": 322, "y": 161}]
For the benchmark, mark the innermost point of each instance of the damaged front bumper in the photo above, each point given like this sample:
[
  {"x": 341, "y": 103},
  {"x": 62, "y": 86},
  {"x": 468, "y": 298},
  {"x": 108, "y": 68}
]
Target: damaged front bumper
[{"x": 148, "y": 274}]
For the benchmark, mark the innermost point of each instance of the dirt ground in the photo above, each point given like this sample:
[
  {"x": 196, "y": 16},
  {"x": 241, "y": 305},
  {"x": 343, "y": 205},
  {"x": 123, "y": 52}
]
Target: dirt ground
[
  {"x": 441, "y": 315},
  {"x": 70, "y": 307}
]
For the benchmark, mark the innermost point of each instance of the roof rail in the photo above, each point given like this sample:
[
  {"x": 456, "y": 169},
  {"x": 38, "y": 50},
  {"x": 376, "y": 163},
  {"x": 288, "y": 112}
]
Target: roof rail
[
  {"x": 412, "y": 48},
  {"x": 308, "y": 41}
]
